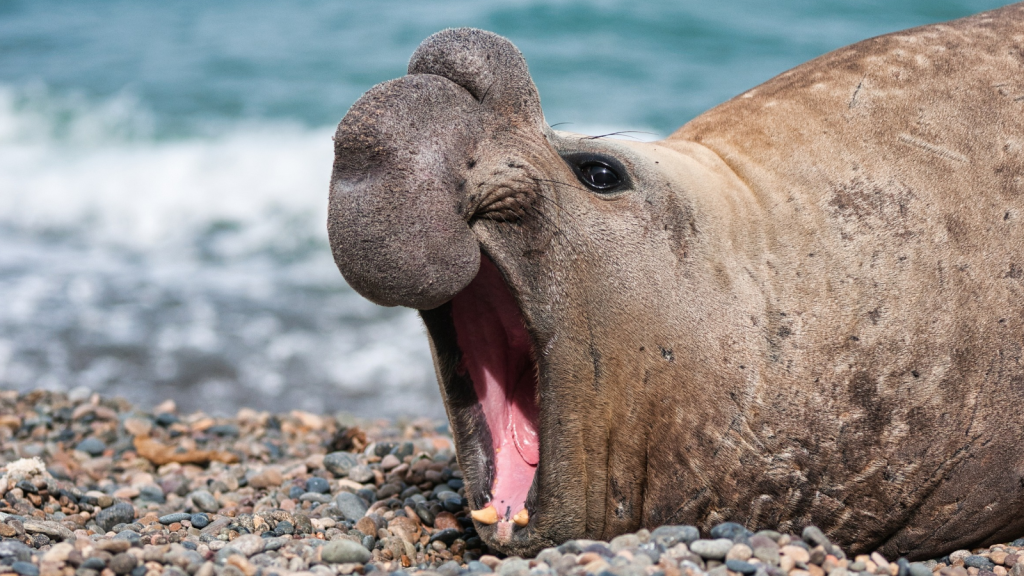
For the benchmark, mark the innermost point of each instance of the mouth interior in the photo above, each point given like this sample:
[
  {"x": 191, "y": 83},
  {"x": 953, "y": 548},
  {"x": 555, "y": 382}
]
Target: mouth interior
[{"x": 497, "y": 353}]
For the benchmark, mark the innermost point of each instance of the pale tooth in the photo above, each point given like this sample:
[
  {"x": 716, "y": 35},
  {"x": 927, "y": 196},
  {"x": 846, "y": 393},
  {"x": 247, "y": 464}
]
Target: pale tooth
[
  {"x": 486, "y": 515},
  {"x": 522, "y": 518}
]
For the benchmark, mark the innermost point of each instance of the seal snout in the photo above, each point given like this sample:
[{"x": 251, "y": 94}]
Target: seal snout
[{"x": 404, "y": 158}]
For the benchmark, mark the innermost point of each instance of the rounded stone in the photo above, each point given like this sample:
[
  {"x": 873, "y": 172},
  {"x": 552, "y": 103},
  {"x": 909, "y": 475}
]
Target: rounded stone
[
  {"x": 318, "y": 485},
  {"x": 979, "y": 562},
  {"x": 740, "y": 566},
  {"x": 959, "y": 555},
  {"x": 344, "y": 552},
  {"x": 339, "y": 463},
  {"x": 351, "y": 506},
  {"x": 669, "y": 536},
  {"x": 624, "y": 542},
  {"x": 205, "y": 501},
  {"x": 122, "y": 563},
  {"x": 765, "y": 549},
  {"x": 25, "y": 568},
  {"x": 739, "y": 552},
  {"x": 91, "y": 446},
  {"x": 360, "y": 473},
  {"x": 919, "y": 569},
  {"x": 732, "y": 531},
  {"x": 120, "y": 513},
  {"x": 712, "y": 549},
  {"x": 815, "y": 537},
  {"x": 175, "y": 517},
  {"x": 199, "y": 520}
]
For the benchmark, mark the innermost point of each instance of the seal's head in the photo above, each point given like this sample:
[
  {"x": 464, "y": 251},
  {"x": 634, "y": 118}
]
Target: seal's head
[{"x": 532, "y": 255}]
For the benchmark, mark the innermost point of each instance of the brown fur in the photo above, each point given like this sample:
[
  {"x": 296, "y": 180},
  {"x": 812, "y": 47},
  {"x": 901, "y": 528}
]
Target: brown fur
[{"x": 809, "y": 308}]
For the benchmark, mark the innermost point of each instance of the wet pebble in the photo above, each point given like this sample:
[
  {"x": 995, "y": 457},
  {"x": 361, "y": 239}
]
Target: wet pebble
[
  {"x": 205, "y": 501},
  {"x": 176, "y": 517},
  {"x": 351, "y": 506},
  {"x": 712, "y": 549},
  {"x": 91, "y": 446},
  {"x": 318, "y": 485},
  {"x": 25, "y": 568},
  {"x": 339, "y": 463},
  {"x": 119, "y": 513},
  {"x": 344, "y": 552}
]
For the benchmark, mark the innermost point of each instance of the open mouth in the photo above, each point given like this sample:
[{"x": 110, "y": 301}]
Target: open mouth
[{"x": 498, "y": 421}]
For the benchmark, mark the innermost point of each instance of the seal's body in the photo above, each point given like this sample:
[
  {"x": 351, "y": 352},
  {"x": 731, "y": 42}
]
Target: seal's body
[{"x": 806, "y": 306}]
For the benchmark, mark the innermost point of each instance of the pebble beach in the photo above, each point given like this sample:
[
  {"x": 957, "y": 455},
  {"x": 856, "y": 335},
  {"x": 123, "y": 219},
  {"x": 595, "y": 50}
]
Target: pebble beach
[{"x": 92, "y": 486}]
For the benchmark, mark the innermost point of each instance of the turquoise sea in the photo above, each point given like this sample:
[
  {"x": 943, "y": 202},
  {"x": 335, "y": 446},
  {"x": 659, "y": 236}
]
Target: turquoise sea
[{"x": 164, "y": 171}]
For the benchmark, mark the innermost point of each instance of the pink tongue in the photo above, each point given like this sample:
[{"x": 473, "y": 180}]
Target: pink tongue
[{"x": 496, "y": 353}]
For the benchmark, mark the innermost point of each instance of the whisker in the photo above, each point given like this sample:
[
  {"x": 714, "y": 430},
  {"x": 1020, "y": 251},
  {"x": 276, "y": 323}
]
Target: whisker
[{"x": 621, "y": 133}]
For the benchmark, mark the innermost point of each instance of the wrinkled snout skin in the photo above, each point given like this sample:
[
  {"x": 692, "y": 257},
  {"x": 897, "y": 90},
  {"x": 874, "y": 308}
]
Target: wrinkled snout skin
[{"x": 806, "y": 306}]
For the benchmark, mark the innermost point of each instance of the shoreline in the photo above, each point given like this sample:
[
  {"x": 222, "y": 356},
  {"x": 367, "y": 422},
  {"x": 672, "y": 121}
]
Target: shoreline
[{"x": 93, "y": 486}]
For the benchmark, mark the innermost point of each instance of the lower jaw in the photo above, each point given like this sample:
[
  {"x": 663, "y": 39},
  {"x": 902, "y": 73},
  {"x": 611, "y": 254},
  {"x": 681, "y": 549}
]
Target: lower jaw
[{"x": 489, "y": 379}]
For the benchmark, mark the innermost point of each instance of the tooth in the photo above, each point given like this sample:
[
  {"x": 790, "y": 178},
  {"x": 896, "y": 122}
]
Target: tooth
[
  {"x": 486, "y": 515},
  {"x": 522, "y": 518}
]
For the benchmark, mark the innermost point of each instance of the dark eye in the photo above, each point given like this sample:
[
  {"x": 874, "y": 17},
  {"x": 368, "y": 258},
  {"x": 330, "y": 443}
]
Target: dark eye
[
  {"x": 598, "y": 172},
  {"x": 599, "y": 176}
]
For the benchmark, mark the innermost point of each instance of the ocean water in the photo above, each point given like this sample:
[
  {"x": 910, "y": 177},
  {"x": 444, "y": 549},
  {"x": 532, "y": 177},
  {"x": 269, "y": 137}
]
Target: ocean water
[{"x": 164, "y": 171}]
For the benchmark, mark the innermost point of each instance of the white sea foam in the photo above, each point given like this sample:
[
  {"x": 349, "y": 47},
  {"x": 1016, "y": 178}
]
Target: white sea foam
[{"x": 192, "y": 267}]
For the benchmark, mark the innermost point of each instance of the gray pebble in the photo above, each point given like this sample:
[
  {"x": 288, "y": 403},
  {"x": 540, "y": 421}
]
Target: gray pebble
[
  {"x": 15, "y": 549},
  {"x": 120, "y": 513},
  {"x": 226, "y": 552},
  {"x": 478, "y": 567},
  {"x": 152, "y": 494},
  {"x": 315, "y": 497},
  {"x": 351, "y": 506},
  {"x": 449, "y": 568},
  {"x": 979, "y": 562},
  {"x": 361, "y": 473},
  {"x": 919, "y": 569},
  {"x": 318, "y": 485},
  {"x": 815, "y": 537},
  {"x": 133, "y": 537},
  {"x": 275, "y": 543},
  {"x": 765, "y": 549},
  {"x": 176, "y": 517},
  {"x": 199, "y": 520},
  {"x": 712, "y": 549},
  {"x": 669, "y": 536},
  {"x": 732, "y": 531},
  {"x": 122, "y": 563},
  {"x": 741, "y": 567},
  {"x": 205, "y": 501},
  {"x": 514, "y": 566},
  {"x": 624, "y": 542},
  {"x": 223, "y": 430},
  {"x": 25, "y": 568},
  {"x": 344, "y": 552},
  {"x": 339, "y": 463},
  {"x": 91, "y": 446},
  {"x": 94, "y": 563}
]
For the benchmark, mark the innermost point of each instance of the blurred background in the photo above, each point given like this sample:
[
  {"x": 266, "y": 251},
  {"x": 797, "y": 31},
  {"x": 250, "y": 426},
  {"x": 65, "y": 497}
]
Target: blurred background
[{"x": 164, "y": 171}]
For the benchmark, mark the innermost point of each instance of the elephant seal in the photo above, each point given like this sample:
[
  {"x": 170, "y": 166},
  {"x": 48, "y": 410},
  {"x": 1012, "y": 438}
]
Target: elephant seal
[{"x": 806, "y": 306}]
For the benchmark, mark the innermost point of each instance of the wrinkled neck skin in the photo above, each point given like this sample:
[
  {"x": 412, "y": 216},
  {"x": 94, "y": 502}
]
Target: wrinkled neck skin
[{"x": 628, "y": 299}]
